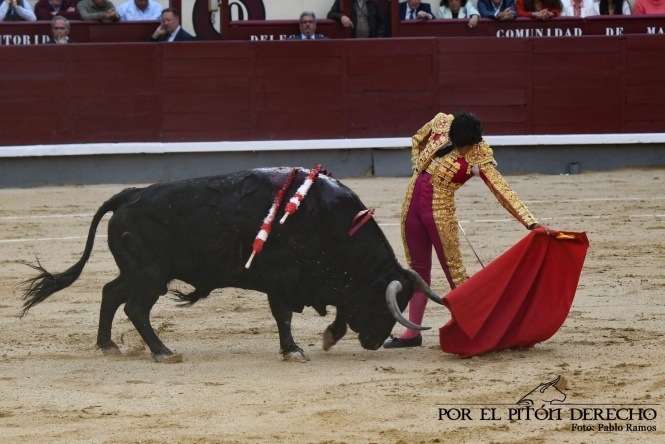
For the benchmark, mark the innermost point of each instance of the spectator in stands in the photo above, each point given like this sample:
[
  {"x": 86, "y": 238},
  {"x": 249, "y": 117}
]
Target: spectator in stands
[
  {"x": 574, "y": 8},
  {"x": 539, "y": 9},
  {"x": 97, "y": 10},
  {"x": 608, "y": 7},
  {"x": 47, "y": 9},
  {"x": 649, "y": 7},
  {"x": 16, "y": 10},
  {"x": 308, "y": 28},
  {"x": 60, "y": 30},
  {"x": 170, "y": 30},
  {"x": 497, "y": 9},
  {"x": 140, "y": 10},
  {"x": 459, "y": 9},
  {"x": 366, "y": 18},
  {"x": 415, "y": 10}
]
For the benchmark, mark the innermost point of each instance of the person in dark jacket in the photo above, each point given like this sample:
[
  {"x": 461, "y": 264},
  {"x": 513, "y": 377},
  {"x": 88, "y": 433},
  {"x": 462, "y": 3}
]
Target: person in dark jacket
[
  {"x": 170, "y": 30},
  {"x": 308, "y": 28},
  {"x": 47, "y": 9},
  {"x": 497, "y": 9},
  {"x": 366, "y": 18},
  {"x": 415, "y": 10}
]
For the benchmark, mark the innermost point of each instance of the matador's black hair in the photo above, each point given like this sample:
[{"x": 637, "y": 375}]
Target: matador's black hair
[{"x": 465, "y": 130}]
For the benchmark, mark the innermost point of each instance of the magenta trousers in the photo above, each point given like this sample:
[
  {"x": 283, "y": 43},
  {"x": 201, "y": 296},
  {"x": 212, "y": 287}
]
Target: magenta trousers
[{"x": 421, "y": 235}]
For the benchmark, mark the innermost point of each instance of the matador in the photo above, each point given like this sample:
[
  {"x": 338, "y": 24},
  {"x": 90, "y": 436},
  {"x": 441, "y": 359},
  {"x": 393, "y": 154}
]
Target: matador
[{"x": 446, "y": 152}]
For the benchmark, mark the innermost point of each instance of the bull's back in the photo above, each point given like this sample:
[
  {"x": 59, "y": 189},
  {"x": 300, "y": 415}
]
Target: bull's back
[
  {"x": 196, "y": 216},
  {"x": 203, "y": 230}
]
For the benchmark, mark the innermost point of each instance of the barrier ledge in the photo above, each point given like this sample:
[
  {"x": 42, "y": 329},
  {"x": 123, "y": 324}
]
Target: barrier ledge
[{"x": 312, "y": 144}]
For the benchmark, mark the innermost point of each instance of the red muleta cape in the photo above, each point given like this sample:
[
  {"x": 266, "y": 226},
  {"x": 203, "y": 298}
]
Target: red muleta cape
[{"x": 521, "y": 298}]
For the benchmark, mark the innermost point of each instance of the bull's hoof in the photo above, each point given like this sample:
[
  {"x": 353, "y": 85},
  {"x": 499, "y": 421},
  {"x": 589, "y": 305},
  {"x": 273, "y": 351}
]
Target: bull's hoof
[
  {"x": 111, "y": 351},
  {"x": 110, "y": 348},
  {"x": 163, "y": 358},
  {"x": 295, "y": 356},
  {"x": 328, "y": 339}
]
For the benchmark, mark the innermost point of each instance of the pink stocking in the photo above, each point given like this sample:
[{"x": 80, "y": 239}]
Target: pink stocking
[{"x": 416, "y": 312}]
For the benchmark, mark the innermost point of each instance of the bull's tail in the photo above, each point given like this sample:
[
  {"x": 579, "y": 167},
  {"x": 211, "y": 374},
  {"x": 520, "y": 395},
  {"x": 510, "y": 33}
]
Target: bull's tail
[{"x": 40, "y": 287}]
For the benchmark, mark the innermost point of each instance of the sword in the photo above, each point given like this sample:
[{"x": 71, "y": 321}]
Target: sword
[{"x": 469, "y": 242}]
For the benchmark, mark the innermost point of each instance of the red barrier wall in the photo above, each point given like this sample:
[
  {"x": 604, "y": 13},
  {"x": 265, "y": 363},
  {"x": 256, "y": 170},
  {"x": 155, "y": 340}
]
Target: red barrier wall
[
  {"x": 207, "y": 91},
  {"x": 30, "y": 33},
  {"x": 39, "y": 32},
  {"x": 527, "y": 27},
  {"x": 282, "y": 29}
]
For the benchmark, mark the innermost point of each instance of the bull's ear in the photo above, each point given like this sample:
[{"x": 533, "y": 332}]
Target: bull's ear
[
  {"x": 405, "y": 289},
  {"x": 378, "y": 287},
  {"x": 411, "y": 276}
]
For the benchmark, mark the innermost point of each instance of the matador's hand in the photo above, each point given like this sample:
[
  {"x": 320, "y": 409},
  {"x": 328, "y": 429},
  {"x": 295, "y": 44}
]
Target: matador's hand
[{"x": 539, "y": 225}]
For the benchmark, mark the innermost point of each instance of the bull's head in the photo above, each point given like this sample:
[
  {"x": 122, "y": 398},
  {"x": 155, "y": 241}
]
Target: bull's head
[{"x": 373, "y": 332}]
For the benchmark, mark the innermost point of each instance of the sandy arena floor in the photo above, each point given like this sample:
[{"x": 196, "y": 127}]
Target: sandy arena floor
[{"x": 233, "y": 386}]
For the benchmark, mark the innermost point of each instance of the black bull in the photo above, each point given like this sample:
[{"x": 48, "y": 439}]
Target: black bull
[{"x": 201, "y": 231}]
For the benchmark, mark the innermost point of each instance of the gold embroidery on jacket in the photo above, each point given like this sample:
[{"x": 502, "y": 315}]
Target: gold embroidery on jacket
[
  {"x": 443, "y": 208},
  {"x": 506, "y": 196},
  {"x": 424, "y": 147},
  {"x": 480, "y": 154},
  {"x": 443, "y": 171}
]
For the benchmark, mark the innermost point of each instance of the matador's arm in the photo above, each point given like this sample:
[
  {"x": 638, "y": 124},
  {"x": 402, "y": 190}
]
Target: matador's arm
[
  {"x": 428, "y": 140},
  {"x": 418, "y": 142},
  {"x": 505, "y": 195}
]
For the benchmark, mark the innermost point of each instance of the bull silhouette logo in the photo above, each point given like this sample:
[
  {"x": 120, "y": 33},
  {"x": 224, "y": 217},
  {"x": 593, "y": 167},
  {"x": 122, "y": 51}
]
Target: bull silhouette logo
[{"x": 545, "y": 393}]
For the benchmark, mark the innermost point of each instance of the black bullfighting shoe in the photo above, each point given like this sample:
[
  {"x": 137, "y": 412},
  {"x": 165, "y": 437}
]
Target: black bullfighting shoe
[{"x": 394, "y": 342}]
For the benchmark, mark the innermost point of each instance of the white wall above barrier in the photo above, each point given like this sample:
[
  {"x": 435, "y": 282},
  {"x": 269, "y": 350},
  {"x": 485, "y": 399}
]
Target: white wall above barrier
[{"x": 314, "y": 144}]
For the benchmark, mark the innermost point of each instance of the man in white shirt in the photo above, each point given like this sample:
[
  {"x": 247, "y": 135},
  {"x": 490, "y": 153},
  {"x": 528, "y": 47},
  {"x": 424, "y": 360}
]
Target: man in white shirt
[{"x": 140, "y": 10}]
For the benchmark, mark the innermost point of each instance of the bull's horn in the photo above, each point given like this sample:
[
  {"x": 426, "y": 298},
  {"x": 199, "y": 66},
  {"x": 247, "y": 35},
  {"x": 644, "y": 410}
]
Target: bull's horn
[
  {"x": 422, "y": 285},
  {"x": 391, "y": 298}
]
